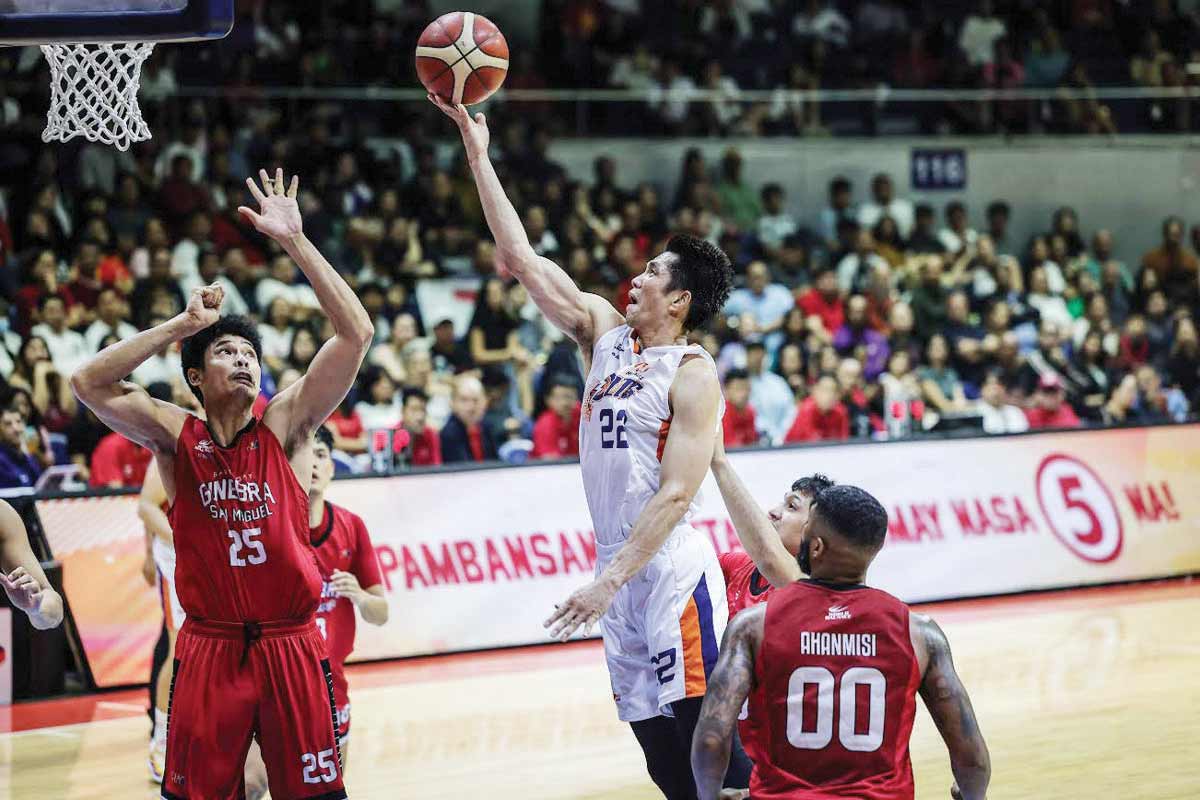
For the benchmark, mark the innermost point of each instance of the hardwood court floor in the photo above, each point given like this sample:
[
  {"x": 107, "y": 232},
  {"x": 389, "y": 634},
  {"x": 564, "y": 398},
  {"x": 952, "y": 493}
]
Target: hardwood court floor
[{"x": 1089, "y": 694}]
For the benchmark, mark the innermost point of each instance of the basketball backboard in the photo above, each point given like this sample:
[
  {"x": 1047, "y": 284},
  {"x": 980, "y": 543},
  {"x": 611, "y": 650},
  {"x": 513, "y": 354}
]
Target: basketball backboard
[{"x": 29, "y": 22}]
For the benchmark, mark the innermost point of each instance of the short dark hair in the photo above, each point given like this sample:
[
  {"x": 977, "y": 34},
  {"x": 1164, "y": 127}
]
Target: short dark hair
[
  {"x": 560, "y": 379},
  {"x": 736, "y": 374},
  {"x": 923, "y": 210},
  {"x": 840, "y": 184},
  {"x": 160, "y": 390},
  {"x": 771, "y": 189},
  {"x": 998, "y": 207},
  {"x": 196, "y": 345},
  {"x": 854, "y": 515},
  {"x": 705, "y": 271},
  {"x": 755, "y": 344},
  {"x": 954, "y": 205},
  {"x": 323, "y": 435},
  {"x": 812, "y": 485},
  {"x": 411, "y": 392}
]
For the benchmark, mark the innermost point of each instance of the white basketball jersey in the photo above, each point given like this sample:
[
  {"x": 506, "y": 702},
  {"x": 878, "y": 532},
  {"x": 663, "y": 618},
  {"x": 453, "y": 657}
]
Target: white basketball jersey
[{"x": 623, "y": 428}]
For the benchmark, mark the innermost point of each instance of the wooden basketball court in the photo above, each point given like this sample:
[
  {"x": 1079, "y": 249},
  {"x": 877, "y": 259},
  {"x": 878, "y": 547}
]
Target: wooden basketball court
[{"x": 1087, "y": 694}]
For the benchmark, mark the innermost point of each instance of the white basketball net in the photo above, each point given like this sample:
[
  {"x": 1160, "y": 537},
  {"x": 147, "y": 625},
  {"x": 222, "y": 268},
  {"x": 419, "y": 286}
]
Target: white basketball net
[{"x": 93, "y": 93}]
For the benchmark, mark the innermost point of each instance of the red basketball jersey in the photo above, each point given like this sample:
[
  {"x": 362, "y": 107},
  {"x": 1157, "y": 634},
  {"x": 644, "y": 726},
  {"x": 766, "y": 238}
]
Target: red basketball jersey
[
  {"x": 839, "y": 681},
  {"x": 744, "y": 587},
  {"x": 342, "y": 543},
  {"x": 240, "y": 518}
]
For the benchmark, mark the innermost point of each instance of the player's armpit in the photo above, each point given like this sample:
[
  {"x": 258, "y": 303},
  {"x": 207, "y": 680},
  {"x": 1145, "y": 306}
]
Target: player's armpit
[
  {"x": 583, "y": 317},
  {"x": 296, "y": 412},
  {"x": 729, "y": 685},
  {"x": 950, "y": 707},
  {"x": 129, "y": 410}
]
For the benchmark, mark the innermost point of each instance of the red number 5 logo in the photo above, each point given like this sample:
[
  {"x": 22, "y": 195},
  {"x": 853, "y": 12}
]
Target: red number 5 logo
[{"x": 1079, "y": 508}]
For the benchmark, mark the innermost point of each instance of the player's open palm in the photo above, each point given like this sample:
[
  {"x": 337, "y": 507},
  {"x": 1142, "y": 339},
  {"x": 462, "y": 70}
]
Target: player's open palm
[
  {"x": 583, "y": 608},
  {"x": 204, "y": 305},
  {"x": 278, "y": 214},
  {"x": 474, "y": 130},
  {"x": 23, "y": 590}
]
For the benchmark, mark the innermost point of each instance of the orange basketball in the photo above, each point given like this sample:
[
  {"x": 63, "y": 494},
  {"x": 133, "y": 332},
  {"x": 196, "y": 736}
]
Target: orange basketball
[{"x": 462, "y": 57}]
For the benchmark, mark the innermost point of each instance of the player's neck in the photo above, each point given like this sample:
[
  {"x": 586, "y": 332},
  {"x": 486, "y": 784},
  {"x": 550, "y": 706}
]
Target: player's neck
[
  {"x": 666, "y": 334},
  {"x": 316, "y": 510},
  {"x": 226, "y": 426}
]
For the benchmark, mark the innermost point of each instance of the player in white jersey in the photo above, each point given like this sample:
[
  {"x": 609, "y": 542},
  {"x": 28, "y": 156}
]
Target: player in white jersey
[
  {"x": 651, "y": 406},
  {"x": 152, "y": 509}
]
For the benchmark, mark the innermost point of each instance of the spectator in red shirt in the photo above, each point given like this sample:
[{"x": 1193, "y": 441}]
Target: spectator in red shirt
[
  {"x": 556, "y": 432},
  {"x": 118, "y": 463},
  {"x": 738, "y": 423},
  {"x": 821, "y": 416},
  {"x": 1049, "y": 409},
  {"x": 425, "y": 446},
  {"x": 824, "y": 301}
]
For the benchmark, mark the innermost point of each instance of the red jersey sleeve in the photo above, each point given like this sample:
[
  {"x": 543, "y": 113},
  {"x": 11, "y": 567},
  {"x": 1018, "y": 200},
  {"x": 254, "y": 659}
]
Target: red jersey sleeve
[
  {"x": 731, "y": 562},
  {"x": 365, "y": 565}
]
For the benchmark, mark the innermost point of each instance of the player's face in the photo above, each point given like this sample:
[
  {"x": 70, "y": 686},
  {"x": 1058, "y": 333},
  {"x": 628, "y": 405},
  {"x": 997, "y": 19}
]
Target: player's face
[
  {"x": 322, "y": 469},
  {"x": 231, "y": 370},
  {"x": 790, "y": 518},
  {"x": 648, "y": 298}
]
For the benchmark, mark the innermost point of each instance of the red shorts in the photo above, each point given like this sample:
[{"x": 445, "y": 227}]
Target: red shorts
[{"x": 235, "y": 681}]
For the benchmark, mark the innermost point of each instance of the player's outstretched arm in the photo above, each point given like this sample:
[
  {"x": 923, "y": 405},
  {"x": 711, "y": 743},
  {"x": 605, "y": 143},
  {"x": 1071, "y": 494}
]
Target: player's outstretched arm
[
  {"x": 21, "y": 575},
  {"x": 754, "y": 528},
  {"x": 584, "y": 317},
  {"x": 950, "y": 707},
  {"x": 297, "y": 411},
  {"x": 150, "y": 505},
  {"x": 126, "y": 407},
  {"x": 695, "y": 397},
  {"x": 728, "y": 686}
]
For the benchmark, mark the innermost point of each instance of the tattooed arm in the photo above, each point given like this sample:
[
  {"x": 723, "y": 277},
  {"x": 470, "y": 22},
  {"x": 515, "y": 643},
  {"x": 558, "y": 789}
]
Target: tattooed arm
[
  {"x": 950, "y": 707},
  {"x": 728, "y": 686}
]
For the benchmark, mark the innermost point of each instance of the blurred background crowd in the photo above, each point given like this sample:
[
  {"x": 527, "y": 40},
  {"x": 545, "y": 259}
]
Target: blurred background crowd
[{"x": 870, "y": 315}]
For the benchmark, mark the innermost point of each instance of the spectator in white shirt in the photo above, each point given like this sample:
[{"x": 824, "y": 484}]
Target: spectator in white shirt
[
  {"x": 541, "y": 238},
  {"x": 1050, "y": 306},
  {"x": 112, "y": 315},
  {"x": 276, "y": 333},
  {"x": 211, "y": 271},
  {"x": 165, "y": 366},
  {"x": 821, "y": 21},
  {"x": 770, "y": 395},
  {"x": 884, "y": 202},
  {"x": 979, "y": 34},
  {"x": 68, "y": 348},
  {"x": 1039, "y": 258},
  {"x": 185, "y": 259},
  {"x": 775, "y": 224},
  {"x": 957, "y": 235},
  {"x": 670, "y": 98},
  {"x": 841, "y": 207},
  {"x": 721, "y": 112},
  {"x": 999, "y": 416},
  {"x": 855, "y": 269},
  {"x": 766, "y": 304},
  {"x": 284, "y": 282}
]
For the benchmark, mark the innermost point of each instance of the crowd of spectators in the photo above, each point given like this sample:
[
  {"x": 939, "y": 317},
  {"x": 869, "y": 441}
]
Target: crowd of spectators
[
  {"x": 673, "y": 50},
  {"x": 871, "y": 316}
]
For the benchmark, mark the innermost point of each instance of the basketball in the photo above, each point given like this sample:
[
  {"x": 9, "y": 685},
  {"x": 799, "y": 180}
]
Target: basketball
[{"x": 462, "y": 57}]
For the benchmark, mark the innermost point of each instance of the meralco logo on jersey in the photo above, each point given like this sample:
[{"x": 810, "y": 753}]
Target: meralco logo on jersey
[{"x": 622, "y": 385}]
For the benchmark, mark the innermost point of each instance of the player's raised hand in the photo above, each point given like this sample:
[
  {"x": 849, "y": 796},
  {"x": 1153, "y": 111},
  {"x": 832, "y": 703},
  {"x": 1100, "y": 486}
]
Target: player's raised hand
[
  {"x": 474, "y": 130},
  {"x": 204, "y": 305},
  {"x": 278, "y": 214},
  {"x": 23, "y": 590},
  {"x": 583, "y": 608}
]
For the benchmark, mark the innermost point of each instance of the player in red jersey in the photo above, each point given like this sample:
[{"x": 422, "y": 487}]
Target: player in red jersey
[
  {"x": 762, "y": 534},
  {"x": 250, "y": 661},
  {"x": 839, "y": 665},
  {"x": 350, "y": 573}
]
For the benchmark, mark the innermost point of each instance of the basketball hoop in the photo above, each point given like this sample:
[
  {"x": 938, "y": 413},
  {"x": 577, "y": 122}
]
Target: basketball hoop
[{"x": 93, "y": 92}]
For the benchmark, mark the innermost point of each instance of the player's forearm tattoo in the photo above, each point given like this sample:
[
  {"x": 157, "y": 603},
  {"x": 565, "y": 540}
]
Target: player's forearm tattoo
[
  {"x": 728, "y": 685},
  {"x": 950, "y": 707}
]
